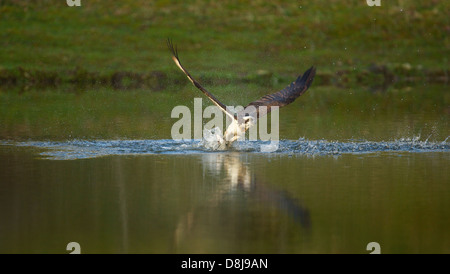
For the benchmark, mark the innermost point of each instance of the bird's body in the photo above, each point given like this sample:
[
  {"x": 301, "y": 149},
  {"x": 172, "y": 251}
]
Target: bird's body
[
  {"x": 233, "y": 132},
  {"x": 243, "y": 120}
]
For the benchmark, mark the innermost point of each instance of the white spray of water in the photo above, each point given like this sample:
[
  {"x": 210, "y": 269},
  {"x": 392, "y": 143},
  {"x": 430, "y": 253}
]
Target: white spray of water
[{"x": 212, "y": 139}]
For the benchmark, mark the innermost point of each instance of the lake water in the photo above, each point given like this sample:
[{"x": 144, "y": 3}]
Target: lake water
[{"x": 388, "y": 184}]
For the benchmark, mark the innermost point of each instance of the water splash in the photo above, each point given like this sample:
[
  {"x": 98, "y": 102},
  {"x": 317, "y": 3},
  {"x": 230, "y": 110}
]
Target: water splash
[
  {"x": 212, "y": 138},
  {"x": 324, "y": 147},
  {"x": 82, "y": 149}
]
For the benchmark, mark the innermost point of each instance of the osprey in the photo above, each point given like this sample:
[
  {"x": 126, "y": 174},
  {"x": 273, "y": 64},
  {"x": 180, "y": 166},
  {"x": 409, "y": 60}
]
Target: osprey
[{"x": 243, "y": 120}]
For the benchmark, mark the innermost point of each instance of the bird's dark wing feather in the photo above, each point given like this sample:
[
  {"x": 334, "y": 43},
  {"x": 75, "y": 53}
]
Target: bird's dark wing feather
[
  {"x": 283, "y": 97},
  {"x": 194, "y": 82}
]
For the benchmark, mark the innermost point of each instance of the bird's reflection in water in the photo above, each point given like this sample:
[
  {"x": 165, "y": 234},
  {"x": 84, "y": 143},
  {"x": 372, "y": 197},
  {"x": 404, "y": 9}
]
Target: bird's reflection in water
[{"x": 236, "y": 183}]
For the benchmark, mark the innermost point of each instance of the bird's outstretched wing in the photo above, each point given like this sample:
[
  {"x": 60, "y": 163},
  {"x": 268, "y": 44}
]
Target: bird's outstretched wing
[
  {"x": 281, "y": 98},
  {"x": 194, "y": 82}
]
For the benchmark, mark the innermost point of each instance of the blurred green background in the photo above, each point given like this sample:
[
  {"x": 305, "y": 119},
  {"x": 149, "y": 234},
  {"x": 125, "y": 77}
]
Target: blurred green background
[{"x": 103, "y": 70}]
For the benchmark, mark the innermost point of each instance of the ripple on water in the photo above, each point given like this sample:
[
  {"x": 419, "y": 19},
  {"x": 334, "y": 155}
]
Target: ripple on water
[{"x": 81, "y": 149}]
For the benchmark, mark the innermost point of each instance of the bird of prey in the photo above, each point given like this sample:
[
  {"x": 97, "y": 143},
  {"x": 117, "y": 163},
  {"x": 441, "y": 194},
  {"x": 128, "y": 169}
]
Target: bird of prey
[{"x": 243, "y": 120}]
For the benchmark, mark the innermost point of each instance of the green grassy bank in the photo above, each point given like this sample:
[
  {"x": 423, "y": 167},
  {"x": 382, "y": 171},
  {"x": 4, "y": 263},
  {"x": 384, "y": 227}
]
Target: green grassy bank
[{"x": 46, "y": 41}]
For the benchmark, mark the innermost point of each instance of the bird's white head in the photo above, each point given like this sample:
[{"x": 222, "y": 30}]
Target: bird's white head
[{"x": 249, "y": 121}]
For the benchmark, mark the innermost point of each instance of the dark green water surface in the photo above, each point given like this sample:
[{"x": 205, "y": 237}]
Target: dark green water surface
[{"x": 232, "y": 202}]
